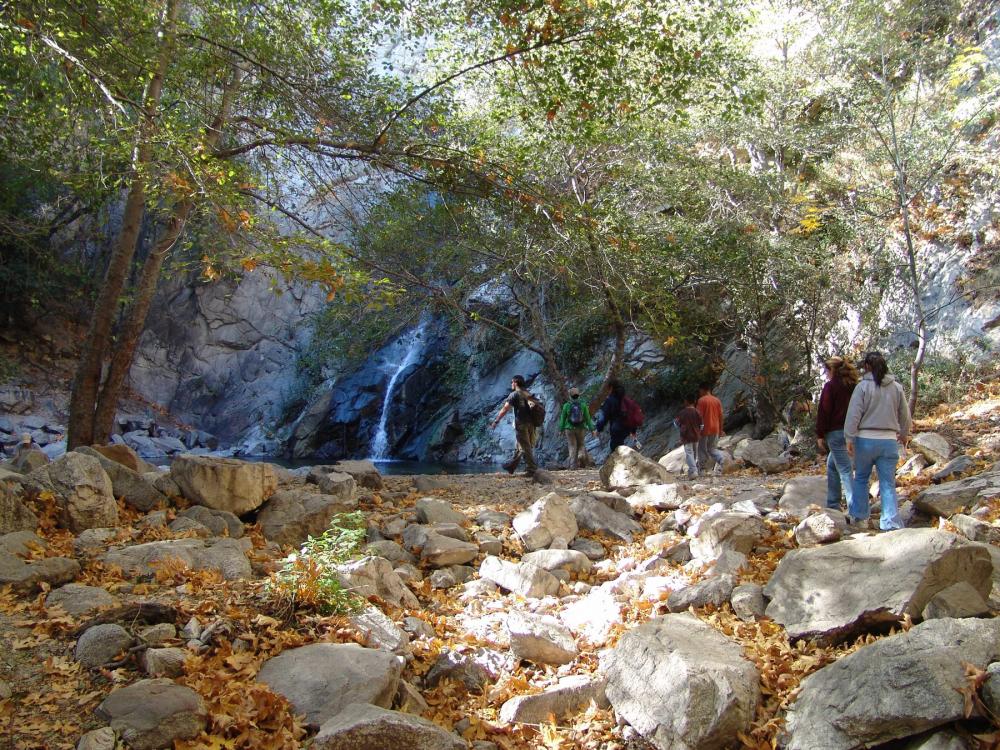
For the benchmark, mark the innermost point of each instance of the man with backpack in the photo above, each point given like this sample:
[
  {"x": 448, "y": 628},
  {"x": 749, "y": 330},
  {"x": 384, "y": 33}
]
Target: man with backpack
[
  {"x": 622, "y": 415},
  {"x": 529, "y": 414},
  {"x": 575, "y": 421}
]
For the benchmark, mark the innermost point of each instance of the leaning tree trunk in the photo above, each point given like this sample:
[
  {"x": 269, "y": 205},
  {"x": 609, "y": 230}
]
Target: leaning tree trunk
[
  {"x": 86, "y": 383},
  {"x": 135, "y": 318}
]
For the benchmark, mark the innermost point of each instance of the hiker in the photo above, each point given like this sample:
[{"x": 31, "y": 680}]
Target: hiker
[
  {"x": 27, "y": 444},
  {"x": 576, "y": 422},
  {"x": 878, "y": 419},
  {"x": 841, "y": 378},
  {"x": 689, "y": 425},
  {"x": 710, "y": 409},
  {"x": 524, "y": 426},
  {"x": 613, "y": 414}
]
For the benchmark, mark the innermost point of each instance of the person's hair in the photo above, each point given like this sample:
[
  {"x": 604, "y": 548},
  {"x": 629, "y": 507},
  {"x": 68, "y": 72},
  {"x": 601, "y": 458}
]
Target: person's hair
[
  {"x": 518, "y": 380},
  {"x": 875, "y": 363},
  {"x": 691, "y": 399},
  {"x": 705, "y": 386},
  {"x": 616, "y": 387},
  {"x": 841, "y": 368}
]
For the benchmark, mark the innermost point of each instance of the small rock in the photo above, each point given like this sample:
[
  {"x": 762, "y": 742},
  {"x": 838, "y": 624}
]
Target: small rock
[
  {"x": 821, "y": 528},
  {"x": 151, "y": 714},
  {"x": 365, "y": 727},
  {"x": 957, "y": 465},
  {"x": 525, "y": 579},
  {"x": 547, "y": 518},
  {"x": 569, "y": 696},
  {"x": 432, "y": 510},
  {"x": 101, "y": 644},
  {"x": 592, "y": 548},
  {"x": 934, "y": 447},
  {"x": 540, "y": 639},
  {"x": 157, "y": 635},
  {"x": 748, "y": 601},
  {"x": 98, "y": 739},
  {"x": 76, "y": 599},
  {"x": 418, "y": 628},
  {"x": 715, "y": 591},
  {"x": 164, "y": 662},
  {"x": 958, "y": 600},
  {"x": 553, "y": 559}
]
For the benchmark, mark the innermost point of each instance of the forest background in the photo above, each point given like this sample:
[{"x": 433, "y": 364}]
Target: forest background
[{"x": 783, "y": 178}]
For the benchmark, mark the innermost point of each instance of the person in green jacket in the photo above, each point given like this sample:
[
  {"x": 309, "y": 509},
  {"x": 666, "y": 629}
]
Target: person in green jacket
[{"x": 576, "y": 422}]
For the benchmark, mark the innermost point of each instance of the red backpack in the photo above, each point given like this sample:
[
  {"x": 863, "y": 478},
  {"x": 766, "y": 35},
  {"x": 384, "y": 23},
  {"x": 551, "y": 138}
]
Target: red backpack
[{"x": 632, "y": 416}]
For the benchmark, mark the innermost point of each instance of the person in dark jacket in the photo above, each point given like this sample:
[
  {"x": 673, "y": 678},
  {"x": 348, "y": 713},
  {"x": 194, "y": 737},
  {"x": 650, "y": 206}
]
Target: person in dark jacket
[
  {"x": 689, "y": 424},
  {"x": 841, "y": 377},
  {"x": 612, "y": 415}
]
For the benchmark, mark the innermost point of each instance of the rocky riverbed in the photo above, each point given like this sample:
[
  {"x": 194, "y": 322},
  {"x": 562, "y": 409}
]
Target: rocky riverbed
[{"x": 610, "y": 608}]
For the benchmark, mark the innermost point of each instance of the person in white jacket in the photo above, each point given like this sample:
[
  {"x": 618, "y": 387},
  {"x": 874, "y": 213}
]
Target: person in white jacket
[{"x": 878, "y": 420}]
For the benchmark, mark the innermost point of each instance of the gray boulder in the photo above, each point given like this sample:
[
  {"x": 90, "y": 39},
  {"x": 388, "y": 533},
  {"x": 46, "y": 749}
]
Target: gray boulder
[
  {"x": 391, "y": 551},
  {"x": 975, "y": 529},
  {"x": 948, "y": 498},
  {"x": 98, "y": 739},
  {"x": 958, "y": 600},
  {"x": 126, "y": 483},
  {"x": 290, "y": 516},
  {"x": 714, "y": 533},
  {"x": 766, "y": 455},
  {"x": 748, "y": 601},
  {"x": 716, "y": 590},
  {"x": 83, "y": 491},
  {"x": 364, "y": 472},
  {"x": 474, "y": 669},
  {"x": 540, "y": 639},
  {"x": 434, "y": 510},
  {"x": 374, "y": 576},
  {"x": 548, "y": 518},
  {"x": 218, "y": 522},
  {"x": 593, "y": 515},
  {"x": 958, "y": 465},
  {"x": 164, "y": 662},
  {"x": 839, "y": 590},
  {"x": 321, "y": 679},
  {"x": 525, "y": 579},
  {"x": 14, "y": 514},
  {"x": 440, "y": 551},
  {"x": 626, "y": 467},
  {"x": 800, "y": 493},
  {"x": 226, "y": 556},
  {"x": 30, "y": 461},
  {"x": 658, "y": 496},
  {"x": 336, "y": 483},
  {"x": 893, "y": 688},
  {"x": 151, "y": 714},
  {"x": 569, "y": 696},
  {"x": 681, "y": 684},
  {"x": 76, "y": 599},
  {"x": 569, "y": 560},
  {"x": 102, "y": 643},
  {"x": 379, "y": 631},
  {"x": 824, "y": 527},
  {"x": 224, "y": 483},
  {"x": 25, "y": 577},
  {"x": 362, "y": 726},
  {"x": 932, "y": 446}
]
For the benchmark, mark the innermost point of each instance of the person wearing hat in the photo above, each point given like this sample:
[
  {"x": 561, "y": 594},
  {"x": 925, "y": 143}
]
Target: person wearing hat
[
  {"x": 27, "y": 443},
  {"x": 576, "y": 422}
]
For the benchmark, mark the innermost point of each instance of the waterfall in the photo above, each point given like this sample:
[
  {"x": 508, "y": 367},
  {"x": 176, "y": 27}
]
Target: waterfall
[{"x": 380, "y": 443}]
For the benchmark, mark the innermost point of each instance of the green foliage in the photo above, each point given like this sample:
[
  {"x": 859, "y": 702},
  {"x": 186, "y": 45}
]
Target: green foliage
[
  {"x": 946, "y": 379},
  {"x": 344, "y": 334},
  {"x": 309, "y": 578}
]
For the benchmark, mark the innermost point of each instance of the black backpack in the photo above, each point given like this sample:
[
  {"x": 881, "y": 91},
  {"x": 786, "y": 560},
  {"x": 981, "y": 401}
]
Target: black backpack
[
  {"x": 575, "y": 414},
  {"x": 536, "y": 410}
]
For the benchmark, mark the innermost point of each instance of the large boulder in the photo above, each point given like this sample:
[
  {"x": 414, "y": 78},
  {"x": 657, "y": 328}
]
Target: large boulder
[
  {"x": 321, "y": 679},
  {"x": 224, "y": 483},
  {"x": 83, "y": 491},
  {"x": 550, "y": 517},
  {"x": 337, "y": 483},
  {"x": 126, "y": 483},
  {"x": 800, "y": 493},
  {"x": 290, "y": 516},
  {"x": 30, "y": 461},
  {"x": 226, "y": 556},
  {"x": 122, "y": 454},
  {"x": 949, "y": 498},
  {"x": 362, "y": 726},
  {"x": 714, "y": 533},
  {"x": 626, "y": 467},
  {"x": 767, "y": 454},
  {"x": 433, "y": 510},
  {"x": 374, "y": 576},
  {"x": 440, "y": 551},
  {"x": 658, "y": 496},
  {"x": 25, "y": 577},
  {"x": 931, "y": 446},
  {"x": 14, "y": 514},
  {"x": 219, "y": 522},
  {"x": 570, "y": 695},
  {"x": 76, "y": 599},
  {"x": 593, "y": 515},
  {"x": 151, "y": 714},
  {"x": 839, "y": 590},
  {"x": 681, "y": 684},
  {"x": 674, "y": 461},
  {"x": 540, "y": 639},
  {"x": 895, "y": 687},
  {"x": 365, "y": 473},
  {"x": 525, "y": 579}
]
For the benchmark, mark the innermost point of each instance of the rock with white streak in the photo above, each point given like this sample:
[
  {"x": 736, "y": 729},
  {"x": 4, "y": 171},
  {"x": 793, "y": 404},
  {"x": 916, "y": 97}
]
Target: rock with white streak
[
  {"x": 895, "y": 687},
  {"x": 548, "y": 517},
  {"x": 569, "y": 696},
  {"x": 540, "y": 639},
  {"x": 525, "y": 579},
  {"x": 839, "y": 590},
  {"x": 681, "y": 684}
]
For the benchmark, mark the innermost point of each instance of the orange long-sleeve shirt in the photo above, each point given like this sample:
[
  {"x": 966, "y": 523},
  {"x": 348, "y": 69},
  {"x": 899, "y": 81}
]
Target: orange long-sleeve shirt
[{"x": 710, "y": 409}]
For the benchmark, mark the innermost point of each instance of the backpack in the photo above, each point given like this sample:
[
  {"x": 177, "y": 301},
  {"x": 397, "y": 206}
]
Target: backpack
[
  {"x": 536, "y": 411},
  {"x": 632, "y": 416},
  {"x": 575, "y": 414}
]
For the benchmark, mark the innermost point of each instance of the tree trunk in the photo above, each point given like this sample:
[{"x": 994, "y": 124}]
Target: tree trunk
[
  {"x": 135, "y": 317},
  {"x": 86, "y": 383}
]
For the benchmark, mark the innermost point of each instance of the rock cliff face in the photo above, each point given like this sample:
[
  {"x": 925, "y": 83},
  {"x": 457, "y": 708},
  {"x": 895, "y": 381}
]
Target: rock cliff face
[{"x": 222, "y": 356}]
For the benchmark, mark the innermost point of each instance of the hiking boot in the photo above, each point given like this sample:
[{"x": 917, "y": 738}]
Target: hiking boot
[{"x": 717, "y": 471}]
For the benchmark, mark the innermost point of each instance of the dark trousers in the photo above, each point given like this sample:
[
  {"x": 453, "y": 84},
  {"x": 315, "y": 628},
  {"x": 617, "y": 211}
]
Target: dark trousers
[{"x": 526, "y": 436}]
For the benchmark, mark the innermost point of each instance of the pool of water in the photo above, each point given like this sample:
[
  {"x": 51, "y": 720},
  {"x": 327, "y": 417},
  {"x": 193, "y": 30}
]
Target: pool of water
[{"x": 387, "y": 467}]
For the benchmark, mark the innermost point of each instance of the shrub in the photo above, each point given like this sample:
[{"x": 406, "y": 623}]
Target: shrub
[{"x": 309, "y": 578}]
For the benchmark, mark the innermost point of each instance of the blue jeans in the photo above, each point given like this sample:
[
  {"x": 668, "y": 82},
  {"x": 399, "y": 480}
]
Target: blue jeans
[
  {"x": 883, "y": 455},
  {"x": 839, "y": 472},
  {"x": 691, "y": 456}
]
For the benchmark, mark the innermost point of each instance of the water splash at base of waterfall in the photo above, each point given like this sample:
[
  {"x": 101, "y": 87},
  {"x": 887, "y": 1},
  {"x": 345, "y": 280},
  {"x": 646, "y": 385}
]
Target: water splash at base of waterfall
[{"x": 379, "y": 450}]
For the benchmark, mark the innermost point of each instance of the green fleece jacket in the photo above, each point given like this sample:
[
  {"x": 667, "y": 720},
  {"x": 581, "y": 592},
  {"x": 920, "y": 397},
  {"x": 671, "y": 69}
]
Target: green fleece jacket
[{"x": 565, "y": 424}]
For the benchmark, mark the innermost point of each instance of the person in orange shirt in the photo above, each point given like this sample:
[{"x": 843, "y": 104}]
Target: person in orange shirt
[{"x": 710, "y": 409}]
